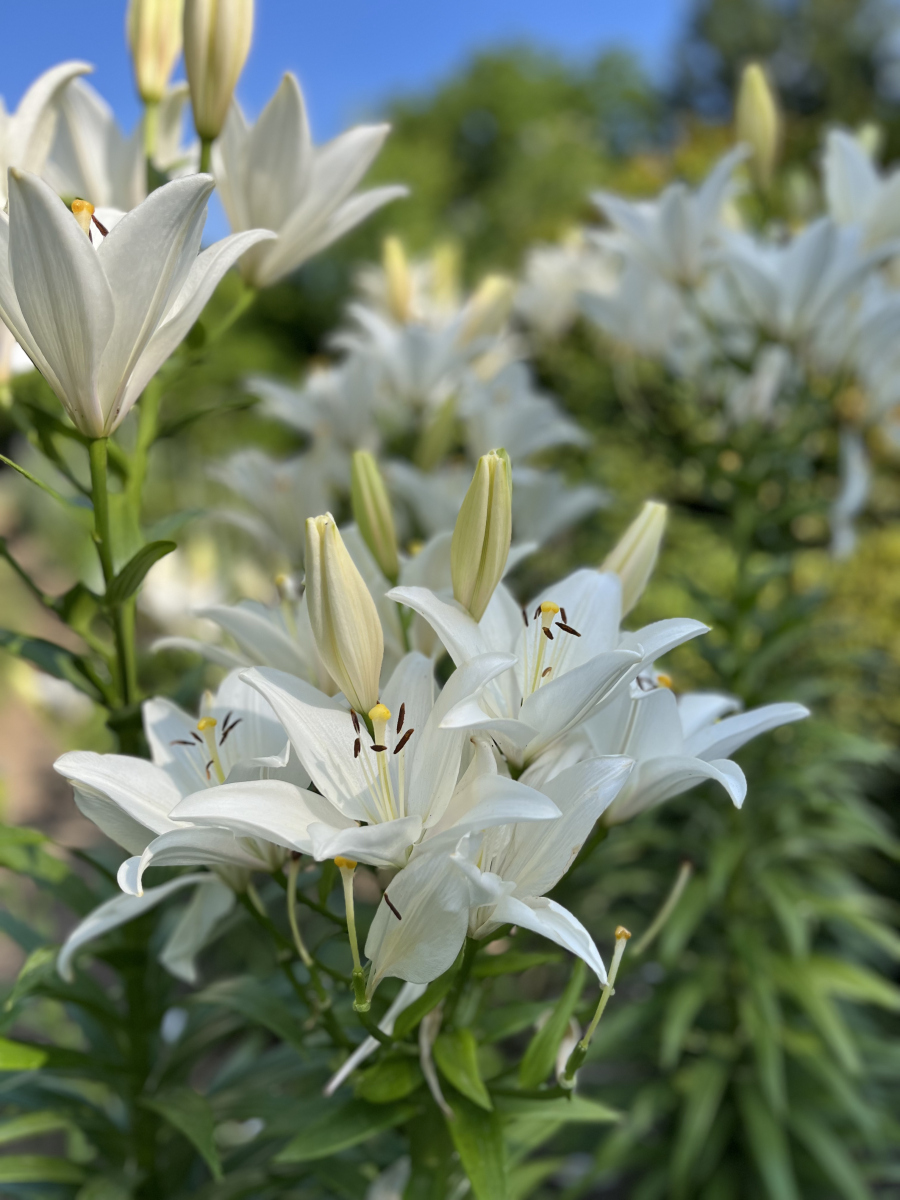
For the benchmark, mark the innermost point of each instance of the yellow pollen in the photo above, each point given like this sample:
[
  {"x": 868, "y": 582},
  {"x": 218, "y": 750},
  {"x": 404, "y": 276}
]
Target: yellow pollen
[
  {"x": 549, "y": 607},
  {"x": 206, "y": 723},
  {"x": 349, "y": 864},
  {"x": 664, "y": 680},
  {"x": 379, "y": 713},
  {"x": 415, "y": 548},
  {"x": 82, "y": 211},
  {"x": 621, "y": 932}
]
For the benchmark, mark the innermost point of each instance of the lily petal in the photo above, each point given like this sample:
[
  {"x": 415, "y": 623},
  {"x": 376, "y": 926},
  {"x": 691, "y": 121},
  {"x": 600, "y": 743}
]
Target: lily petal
[
  {"x": 385, "y": 845},
  {"x": 196, "y": 928},
  {"x": 265, "y": 808},
  {"x": 461, "y": 635},
  {"x": 725, "y": 737},
  {"x": 662, "y": 779},
  {"x": 185, "y": 848},
  {"x": 129, "y": 799},
  {"x": 554, "y": 922}
]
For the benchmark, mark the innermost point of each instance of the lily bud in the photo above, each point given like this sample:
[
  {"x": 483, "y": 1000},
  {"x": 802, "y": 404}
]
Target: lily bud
[
  {"x": 481, "y": 538},
  {"x": 372, "y": 513},
  {"x": 634, "y": 556},
  {"x": 758, "y": 122},
  {"x": 154, "y": 34},
  {"x": 488, "y": 309},
  {"x": 398, "y": 280},
  {"x": 217, "y": 35},
  {"x": 342, "y": 613}
]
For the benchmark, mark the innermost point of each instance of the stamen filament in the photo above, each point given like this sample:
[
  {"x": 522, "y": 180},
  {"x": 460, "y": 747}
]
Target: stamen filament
[
  {"x": 207, "y": 726},
  {"x": 347, "y": 867},
  {"x": 578, "y": 1055}
]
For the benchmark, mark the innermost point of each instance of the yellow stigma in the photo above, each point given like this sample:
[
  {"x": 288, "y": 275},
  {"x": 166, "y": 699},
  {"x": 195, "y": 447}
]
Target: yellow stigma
[
  {"x": 549, "y": 607},
  {"x": 82, "y": 211},
  {"x": 349, "y": 864},
  {"x": 206, "y": 723},
  {"x": 664, "y": 680},
  {"x": 379, "y": 713},
  {"x": 622, "y": 932}
]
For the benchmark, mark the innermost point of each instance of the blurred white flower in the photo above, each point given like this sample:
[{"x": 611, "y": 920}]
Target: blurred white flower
[{"x": 27, "y": 134}]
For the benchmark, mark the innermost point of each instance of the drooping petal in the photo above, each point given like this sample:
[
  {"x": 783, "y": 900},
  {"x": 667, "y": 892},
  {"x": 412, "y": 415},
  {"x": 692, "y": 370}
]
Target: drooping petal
[
  {"x": 63, "y": 294},
  {"x": 431, "y": 896},
  {"x": 188, "y": 847},
  {"x": 196, "y": 928},
  {"x": 662, "y": 636},
  {"x": 699, "y": 709},
  {"x": 408, "y": 994},
  {"x": 725, "y": 737},
  {"x": 384, "y": 845},
  {"x": 263, "y": 808},
  {"x": 461, "y": 635},
  {"x": 118, "y": 911},
  {"x": 554, "y": 922},
  {"x": 129, "y": 799},
  {"x": 662, "y": 779}
]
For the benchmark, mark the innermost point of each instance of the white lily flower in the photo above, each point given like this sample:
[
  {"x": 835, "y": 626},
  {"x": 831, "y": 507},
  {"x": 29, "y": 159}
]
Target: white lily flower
[
  {"x": 474, "y": 884},
  {"x": 92, "y": 158},
  {"x": 132, "y": 800},
  {"x": 855, "y": 192},
  {"x": 98, "y": 321},
  {"x": 375, "y": 799},
  {"x": 271, "y": 176},
  {"x": 555, "y": 275},
  {"x": 675, "y": 236},
  {"x": 677, "y": 743},
  {"x": 27, "y": 134},
  {"x": 570, "y": 658}
]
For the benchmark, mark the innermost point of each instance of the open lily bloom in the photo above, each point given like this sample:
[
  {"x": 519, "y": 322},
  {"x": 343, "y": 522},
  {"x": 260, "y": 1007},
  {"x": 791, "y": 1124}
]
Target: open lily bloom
[
  {"x": 856, "y": 193},
  {"x": 131, "y": 800},
  {"x": 475, "y": 884},
  {"x": 375, "y": 799},
  {"x": 570, "y": 657},
  {"x": 27, "y": 134},
  {"x": 676, "y": 235},
  {"x": 99, "y": 315},
  {"x": 271, "y": 176},
  {"x": 676, "y": 743}
]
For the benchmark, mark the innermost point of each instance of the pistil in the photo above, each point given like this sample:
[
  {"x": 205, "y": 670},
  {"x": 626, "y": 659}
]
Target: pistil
[{"x": 207, "y": 726}]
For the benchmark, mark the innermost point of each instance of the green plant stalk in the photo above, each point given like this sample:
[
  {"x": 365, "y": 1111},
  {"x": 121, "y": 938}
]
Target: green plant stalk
[
  {"x": 123, "y": 626},
  {"x": 151, "y": 130},
  {"x": 579, "y": 1054},
  {"x": 305, "y": 956},
  {"x": 206, "y": 145}
]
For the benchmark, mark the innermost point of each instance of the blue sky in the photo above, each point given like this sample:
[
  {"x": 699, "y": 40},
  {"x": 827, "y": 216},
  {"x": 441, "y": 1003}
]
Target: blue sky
[{"x": 350, "y": 54}]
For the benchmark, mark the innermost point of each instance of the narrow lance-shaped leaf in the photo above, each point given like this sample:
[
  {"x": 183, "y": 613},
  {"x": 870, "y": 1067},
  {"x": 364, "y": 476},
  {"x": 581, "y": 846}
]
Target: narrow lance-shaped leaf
[
  {"x": 538, "y": 1060},
  {"x": 130, "y": 578},
  {"x": 456, "y": 1054}
]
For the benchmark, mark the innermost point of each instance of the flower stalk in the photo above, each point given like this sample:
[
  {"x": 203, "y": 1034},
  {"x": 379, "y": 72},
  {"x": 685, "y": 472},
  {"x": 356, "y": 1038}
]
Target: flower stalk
[
  {"x": 99, "y": 460},
  {"x": 347, "y": 868},
  {"x": 579, "y": 1054}
]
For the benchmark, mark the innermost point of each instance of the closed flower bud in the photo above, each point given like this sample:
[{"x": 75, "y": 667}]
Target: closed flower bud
[
  {"x": 154, "y": 35},
  {"x": 372, "y": 513},
  {"x": 488, "y": 309},
  {"x": 483, "y": 532},
  {"x": 634, "y": 556},
  {"x": 217, "y": 36},
  {"x": 342, "y": 614},
  {"x": 758, "y": 122},
  {"x": 398, "y": 281}
]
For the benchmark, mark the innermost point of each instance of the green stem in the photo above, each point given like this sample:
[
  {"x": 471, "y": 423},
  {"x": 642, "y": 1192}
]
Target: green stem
[
  {"x": 472, "y": 948},
  {"x": 151, "y": 129},
  {"x": 681, "y": 881},
  {"x": 205, "y": 155},
  {"x": 123, "y": 625}
]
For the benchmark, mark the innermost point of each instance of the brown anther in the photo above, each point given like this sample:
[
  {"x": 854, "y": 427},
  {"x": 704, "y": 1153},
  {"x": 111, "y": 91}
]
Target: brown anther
[
  {"x": 100, "y": 225},
  {"x": 403, "y": 740},
  {"x": 562, "y": 613},
  {"x": 537, "y": 613},
  {"x": 355, "y": 719},
  {"x": 546, "y": 671},
  {"x": 525, "y": 617},
  {"x": 196, "y": 736},
  {"x": 567, "y": 629},
  {"x": 208, "y": 765},
  {"x": 357, "y": 746},
  {"x": 378, "y": 749},
  {"x": 181, "y": 742},
  {"x": 622, "y": 932},
  {"x": 401, "y": 717},
  {"x": 229, "y": 729},
  {"x": 391, "y": 907},
  {"x": 546, "y": 632}
]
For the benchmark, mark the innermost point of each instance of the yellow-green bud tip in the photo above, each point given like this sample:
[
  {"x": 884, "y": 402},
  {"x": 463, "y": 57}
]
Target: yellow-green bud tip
[{"x": 483, "y": 532}]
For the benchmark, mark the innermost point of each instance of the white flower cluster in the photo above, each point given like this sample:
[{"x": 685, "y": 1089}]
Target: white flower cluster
[
  {"x": 476, "y": 797},
  {"x": 750, "y": 317}
]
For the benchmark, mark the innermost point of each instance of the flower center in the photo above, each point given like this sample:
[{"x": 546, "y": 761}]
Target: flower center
[
  {"x": 389, "y": 802},
  {"x": 83, "y": 212},
  {"x": 544, "y": 651}
]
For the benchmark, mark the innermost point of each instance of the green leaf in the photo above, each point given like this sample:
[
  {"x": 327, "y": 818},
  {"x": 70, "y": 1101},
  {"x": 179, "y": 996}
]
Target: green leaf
[
  {"x": 253, "y": 999},
  {"x": 828, "y": 1150},
  {"x": 523, "y": 1180},
  {"x": 684, "y": 1005},
  {"x": 768, "y": 1144},
  {"x": 48, "y": 657},
  {"x": 538, "y": 1060},
  {"x": 342, "y": 1126},
  {"x": 390, "y": 1080},
  {"x": 30, "y": 1125},
  {"x": 456, "y": 1054},
  {"x": 576, "y": 1109},
  {"x": 478, "y": 1138},
  {"x": 36, "y": 1168},
  {"x": 130, "y": 578},
  {"x": 684, "y": 920},
  {"x": 24, "y": 851},
  {"x": 190, "y": 1114},
  {"x": 430, "y": 998},
  {"x": 704, "y": 1085},
  {"x": 513, "y": 961},
  {"x": 45, "y": 487},
  {"x": 26, "y": 937},
  {"x": 16, "y": 1056}
]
